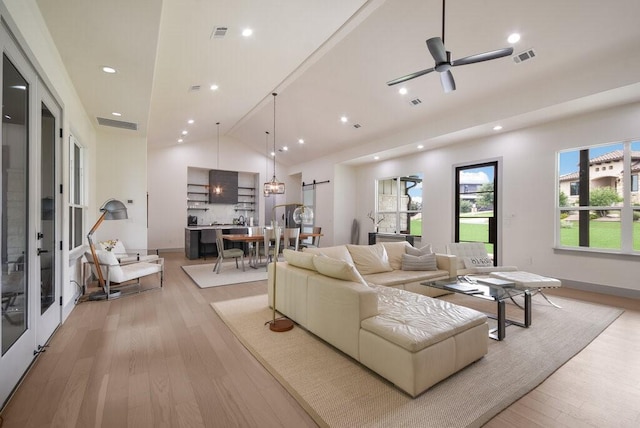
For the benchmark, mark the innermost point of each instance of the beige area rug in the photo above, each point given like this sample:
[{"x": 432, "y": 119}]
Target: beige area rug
[
  {"x": 339, "y": 392},
  {"x": 204, "y": 276}
]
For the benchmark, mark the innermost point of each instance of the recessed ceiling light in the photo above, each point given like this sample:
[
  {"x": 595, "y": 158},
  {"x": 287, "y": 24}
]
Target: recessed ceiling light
[
  {"x": 190, "y": 121},
  {"x": 376, "y": 157},
  {"x": 420, "y": 146},
  {"x": 285, "y": 148},
  {"x": 301, "y": 141},
  {"x": 273, "y": 154},
  {"x": 497, "y": 128},
  {"x": 513, "y": 38},
  {"x": 247, "y": 32},
  {"x": 403, "y": 91},
  {"x": 115, "y": 113},
  {"x": 108, "y": 69},
  {"x": 180, "y": 140},
  {"x": 213, "y": 87},
  {"x": 344, "y": 119},
  {"x": 185, "y": 132}
]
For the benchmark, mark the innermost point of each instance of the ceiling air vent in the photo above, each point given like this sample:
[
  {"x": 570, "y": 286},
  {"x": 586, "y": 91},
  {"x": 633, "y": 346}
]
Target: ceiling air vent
[
  {"x": 194, "y": 88},
  {"x": 524, "y": 56},
  {"x": 357, "y": 125},
  {"x": 415, "y": 101},
  {"x": 219, "y": 32},
  {"x": 117, "y": 124}
]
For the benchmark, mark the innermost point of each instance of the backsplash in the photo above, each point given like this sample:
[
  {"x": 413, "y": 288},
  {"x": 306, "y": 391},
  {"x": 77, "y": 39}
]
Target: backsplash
[{"x": 218, "y": 213}]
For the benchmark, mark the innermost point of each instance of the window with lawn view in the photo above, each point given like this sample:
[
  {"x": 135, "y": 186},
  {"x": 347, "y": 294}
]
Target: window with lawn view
[
  {"x": 399, "y": 205},
  {"x": 598, "y": 198}
]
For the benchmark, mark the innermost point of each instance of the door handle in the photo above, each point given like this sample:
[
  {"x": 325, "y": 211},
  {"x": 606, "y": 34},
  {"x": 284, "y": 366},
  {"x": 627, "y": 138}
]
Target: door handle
[{"x": 40, "y": 251}]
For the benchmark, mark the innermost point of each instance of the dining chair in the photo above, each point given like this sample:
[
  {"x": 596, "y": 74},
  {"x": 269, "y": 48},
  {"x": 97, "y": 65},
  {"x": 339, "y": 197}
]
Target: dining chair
[
  {"x": 207, "y": 236},
  {"x": 254, "y": 247},
  {"x": 314, "y": 241},
  {"x": 291, "y": 238},
  {"x": 269, "y": 247},
  {"x": 231, "y": 253}
]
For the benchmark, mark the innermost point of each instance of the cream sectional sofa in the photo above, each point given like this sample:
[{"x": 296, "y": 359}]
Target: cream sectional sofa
[{"x": 412, "y": 340}]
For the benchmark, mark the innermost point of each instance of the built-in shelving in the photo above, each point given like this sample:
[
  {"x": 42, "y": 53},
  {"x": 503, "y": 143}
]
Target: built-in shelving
[
  {"x": 195, "y": 193},
  {"x": 246, "y": 197}
]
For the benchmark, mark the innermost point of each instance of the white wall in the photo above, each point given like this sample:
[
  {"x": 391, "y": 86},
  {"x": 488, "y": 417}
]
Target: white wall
[
  {"x": 528, "y": 159},
  {"x": 167, "y": 183}
]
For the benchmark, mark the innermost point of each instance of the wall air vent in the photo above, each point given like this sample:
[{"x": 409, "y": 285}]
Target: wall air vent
[
  {"x": 117, "y": 124},
  {"x": 219, "y": 32},
  {"x": 415, "y": 101},
  {"x": 524, "y": 56}
]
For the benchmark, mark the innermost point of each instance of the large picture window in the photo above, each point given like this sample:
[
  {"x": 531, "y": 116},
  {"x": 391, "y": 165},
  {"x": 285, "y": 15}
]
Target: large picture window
[
  {"x": 77, "y": 204},
  {"x": 598, "y": 198},
  {"x": 399, "y": 205}
]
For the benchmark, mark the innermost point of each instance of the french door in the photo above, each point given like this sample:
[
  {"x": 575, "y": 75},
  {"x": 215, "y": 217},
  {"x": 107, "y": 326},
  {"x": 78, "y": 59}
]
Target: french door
[
  {"x": 476, "y": 211},
  {"x": 29, "y": 280}
]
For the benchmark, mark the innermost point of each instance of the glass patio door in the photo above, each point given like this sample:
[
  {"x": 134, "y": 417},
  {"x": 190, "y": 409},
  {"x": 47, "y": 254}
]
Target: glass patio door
[
  {"x": 476, "y": 213},
  {"x": 29, "y": 281}
]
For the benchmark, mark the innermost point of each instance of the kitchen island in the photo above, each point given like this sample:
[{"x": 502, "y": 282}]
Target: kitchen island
[{"x": 192, "y": 239}]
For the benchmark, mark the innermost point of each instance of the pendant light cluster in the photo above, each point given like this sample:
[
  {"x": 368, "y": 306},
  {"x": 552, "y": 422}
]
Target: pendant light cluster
[{"x": 274, "y": 187}]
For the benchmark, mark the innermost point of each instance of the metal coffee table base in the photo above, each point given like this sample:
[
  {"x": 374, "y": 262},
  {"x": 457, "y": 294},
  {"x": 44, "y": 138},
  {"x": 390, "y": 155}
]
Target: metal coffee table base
[{"x": 500, "y": 332}]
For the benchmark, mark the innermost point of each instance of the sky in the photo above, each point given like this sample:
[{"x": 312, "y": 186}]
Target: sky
[{"x": 569, "y": 160}]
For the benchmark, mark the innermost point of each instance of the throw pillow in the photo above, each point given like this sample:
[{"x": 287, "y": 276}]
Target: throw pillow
[
  {"x": 419, "y": 251},
  {"x": 339, "y": 252},
  {"x": 370, "y": 259},
  {"x": 395, "y": 250},
  {"x": 474, "y": 262},
  {"x": 424, "y": 262},
  {"x": 338, "y": 269},
  {"x": 299, "y": 259}
]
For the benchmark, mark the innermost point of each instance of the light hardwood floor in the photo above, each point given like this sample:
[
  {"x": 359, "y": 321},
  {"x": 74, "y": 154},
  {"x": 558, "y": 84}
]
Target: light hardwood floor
[{"x": 164, "y": 358}]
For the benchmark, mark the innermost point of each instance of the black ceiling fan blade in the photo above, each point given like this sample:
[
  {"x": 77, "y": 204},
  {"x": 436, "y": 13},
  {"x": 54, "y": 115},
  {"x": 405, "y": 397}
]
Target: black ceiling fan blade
[
  {"x": 448, "y": 84},
  {"x": 409, "y": 76},
  {"x": 436, "y": 47},
  {"x": 472, "y": 59}
]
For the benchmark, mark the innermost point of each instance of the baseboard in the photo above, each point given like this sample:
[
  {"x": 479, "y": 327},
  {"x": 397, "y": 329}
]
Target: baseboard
[{"x": 603, "y": 289}]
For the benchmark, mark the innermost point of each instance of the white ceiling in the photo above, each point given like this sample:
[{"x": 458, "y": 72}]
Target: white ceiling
[{"x": 327, "y": 58}]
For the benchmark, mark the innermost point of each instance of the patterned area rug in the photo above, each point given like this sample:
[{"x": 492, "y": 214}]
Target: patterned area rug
[{"x": 339, "y": 392}]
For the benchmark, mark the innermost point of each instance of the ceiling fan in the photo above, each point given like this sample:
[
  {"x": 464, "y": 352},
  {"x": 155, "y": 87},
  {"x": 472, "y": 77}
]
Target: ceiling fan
[{"x": 442, "y": 57}]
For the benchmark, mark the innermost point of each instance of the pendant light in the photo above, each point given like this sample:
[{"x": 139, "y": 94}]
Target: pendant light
[
  {"x": 266, "y": 169},
  {"x": 217, "y": 189},
  {"x": 274, "y": 187}
]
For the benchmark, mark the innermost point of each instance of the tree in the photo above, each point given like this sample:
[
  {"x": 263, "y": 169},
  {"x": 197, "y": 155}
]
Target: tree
[
  {"x": 485, "y": 196},
  {"x": 563, "y": 200},
  {"x": 603, "y": 197}
]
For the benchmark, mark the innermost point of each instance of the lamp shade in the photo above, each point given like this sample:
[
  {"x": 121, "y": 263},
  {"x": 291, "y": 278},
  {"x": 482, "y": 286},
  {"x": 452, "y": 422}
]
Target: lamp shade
[
  {"x": 303, "y": 215},
  {"x": 114, "y": 210}
]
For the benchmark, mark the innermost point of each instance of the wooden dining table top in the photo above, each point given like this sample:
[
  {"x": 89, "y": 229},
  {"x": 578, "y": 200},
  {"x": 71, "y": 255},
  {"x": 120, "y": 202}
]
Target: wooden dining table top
[{"x": 245, "y": 237}]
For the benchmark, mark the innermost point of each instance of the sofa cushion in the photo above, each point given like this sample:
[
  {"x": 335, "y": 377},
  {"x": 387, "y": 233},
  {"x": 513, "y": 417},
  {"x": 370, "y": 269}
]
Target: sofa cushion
[
  {"x": 401, "y": 277},
  {"x": 370, "y": 259},
  {"x": 338, "y": 269},
  {"x": 425, "y": 262},
  {"x": 339, "y": 252},
  {"x": 299, "y": 259},
  {"x": 419, "y": 251},
  {"x": 427, "y": 321},
  {"x": 395, "y": 250}
]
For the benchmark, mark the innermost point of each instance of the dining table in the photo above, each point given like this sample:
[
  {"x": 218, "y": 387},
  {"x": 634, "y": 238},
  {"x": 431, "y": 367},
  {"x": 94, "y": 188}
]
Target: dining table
[{"x": 254, "y": 241}]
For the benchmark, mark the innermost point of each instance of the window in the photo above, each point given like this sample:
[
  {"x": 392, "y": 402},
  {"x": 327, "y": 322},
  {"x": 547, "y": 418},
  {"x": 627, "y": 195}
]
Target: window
[
  {"x": 599, "y": 211},
  {"x": 77, "y": 204},
  {"x": 399, "y": 205}
]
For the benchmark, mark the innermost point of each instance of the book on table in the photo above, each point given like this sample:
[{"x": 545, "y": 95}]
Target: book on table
[{"x": 463, "y": 288}]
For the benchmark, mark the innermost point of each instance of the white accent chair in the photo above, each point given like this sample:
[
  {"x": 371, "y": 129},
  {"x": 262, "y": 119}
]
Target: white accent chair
[
  {"x": 122, "y": 273},
  {"x": 125, "y": 256}
]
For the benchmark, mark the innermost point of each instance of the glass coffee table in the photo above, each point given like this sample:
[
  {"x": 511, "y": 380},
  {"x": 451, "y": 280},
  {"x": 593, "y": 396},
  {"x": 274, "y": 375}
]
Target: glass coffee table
[{"x": 489, "y": 289}]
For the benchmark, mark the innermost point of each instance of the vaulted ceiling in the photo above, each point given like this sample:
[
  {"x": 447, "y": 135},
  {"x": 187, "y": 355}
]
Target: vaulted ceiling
[{"x": 331, "y": 58}]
